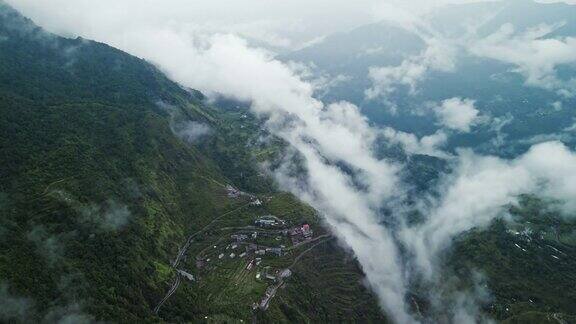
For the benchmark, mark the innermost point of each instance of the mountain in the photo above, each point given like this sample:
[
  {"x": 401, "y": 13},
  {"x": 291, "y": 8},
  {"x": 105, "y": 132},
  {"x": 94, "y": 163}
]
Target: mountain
[
  {"x": 459, "y": 52},
  {"x": 527, "y": 14},
  {"x": 519, "y": 268},
  {"x": 125, "y": 197},
  {"x": 357, "y": 49},
  {"x": 117, "y": 185},
  {"x": 488, "y": 17},
  {"x": 349, "y": 56}
]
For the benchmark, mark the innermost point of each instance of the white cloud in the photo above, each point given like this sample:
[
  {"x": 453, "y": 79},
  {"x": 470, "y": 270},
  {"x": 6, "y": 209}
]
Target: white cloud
[
  {"x": 192, "y": 131},
  {"x": 496, "y": 125},
  {"x": 224, "y": 64},
  {"x": 427, "y": 145},
  {"x": 218, "y": 61},
  {"x": 535, "y": 56},
  {"x": 385, "y": 79},
  {"x": 276, "y": 23},
  {"x": 572, "y": 127},
  {"x": 557, "y": 105},
  {"x": 457, "y": 113},
  {"x": 13, "y": 307},
  {"x": 438, "y": 56},
  {"x": 479, "y": 189},
  {"x": 573, "y": 2}
]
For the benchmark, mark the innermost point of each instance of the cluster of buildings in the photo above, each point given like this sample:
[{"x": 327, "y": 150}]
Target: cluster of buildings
[
  {"x": 235, "y": 193},
  {"x": 257, "y": 250},
  {"x": 239, "y": 237},
  {"x": 277, "y": 251},
  {"x": 243, "y": 246},
  {"x": 278, "y": 278},
  {"x": 265, "y": 302},
  {"x": 277, "y": 275},
  {"x": 255, "y": 202},
  {"x": 243, "y": 237},
  {"x": 232, "y": 192},
  {"x": 301, "y": 234},
  {"x": 297, "y": 235},
  {"x": 269, "y": 221}
]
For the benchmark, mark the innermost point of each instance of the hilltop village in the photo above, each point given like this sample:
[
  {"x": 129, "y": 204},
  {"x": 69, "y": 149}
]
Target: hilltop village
[
  {"x": 256, "y": 250},
  {"x": 272, "y": 238}
]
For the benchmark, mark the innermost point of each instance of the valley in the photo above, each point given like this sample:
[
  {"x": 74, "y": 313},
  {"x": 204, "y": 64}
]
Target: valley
[{"x": 403, "y": 167}]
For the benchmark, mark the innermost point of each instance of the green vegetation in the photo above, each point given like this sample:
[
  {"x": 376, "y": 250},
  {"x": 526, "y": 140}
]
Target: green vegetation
[
  {"x": 101, "y": 186},
  {"x": 98, "y": 193},
  {"x": 325, "y": 284},
  {"x": 528, "y": 263}
]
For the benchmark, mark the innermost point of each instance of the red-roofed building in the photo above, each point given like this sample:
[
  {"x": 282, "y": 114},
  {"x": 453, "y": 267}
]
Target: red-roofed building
[{"x": 306, "y": 231}]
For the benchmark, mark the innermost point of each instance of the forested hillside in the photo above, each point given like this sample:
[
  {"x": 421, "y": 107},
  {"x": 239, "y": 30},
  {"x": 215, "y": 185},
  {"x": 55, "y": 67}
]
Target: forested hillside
[{"x": 107, "y": 167}]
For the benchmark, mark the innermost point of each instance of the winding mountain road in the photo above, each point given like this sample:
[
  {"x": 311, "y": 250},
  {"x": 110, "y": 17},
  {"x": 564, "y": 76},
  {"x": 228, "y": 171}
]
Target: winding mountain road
[
  {"x": 183, "y": 251},
  {"x": 170, "y": 292}
]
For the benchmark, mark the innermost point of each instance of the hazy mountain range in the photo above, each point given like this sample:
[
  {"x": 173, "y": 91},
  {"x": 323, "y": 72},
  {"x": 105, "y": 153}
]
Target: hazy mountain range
[{"x": 514, "y": 59}]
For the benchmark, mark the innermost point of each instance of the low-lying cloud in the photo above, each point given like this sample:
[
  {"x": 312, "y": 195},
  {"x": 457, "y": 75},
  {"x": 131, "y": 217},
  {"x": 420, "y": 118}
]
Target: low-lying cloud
[
  {"x": 427, "y": 145},
  {"x": 438, "y": 56},
  {"x": 535, "y": 56},
  {"x": 14, "y": 308},
  {"x": 457, "y": 113},
  {"x": 478, "y": 189},
  {"x": 345, "y": 180},
  {"x": 108, "y": 216},
  {"x": 192, "y": 131},
  {"x": 48, "y": 245},
  {"x": 534, "y": 53}
]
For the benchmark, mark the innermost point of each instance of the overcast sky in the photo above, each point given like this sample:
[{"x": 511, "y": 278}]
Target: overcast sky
[{"x": 280, "y": 23}]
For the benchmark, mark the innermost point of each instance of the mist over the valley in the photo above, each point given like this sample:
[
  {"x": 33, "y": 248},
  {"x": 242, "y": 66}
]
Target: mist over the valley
[{"x": 343, "y": 114}]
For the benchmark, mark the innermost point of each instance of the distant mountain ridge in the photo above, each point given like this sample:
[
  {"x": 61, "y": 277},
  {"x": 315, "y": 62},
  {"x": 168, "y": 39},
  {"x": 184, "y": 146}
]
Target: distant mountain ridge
[{"x": 498, "y": 87}]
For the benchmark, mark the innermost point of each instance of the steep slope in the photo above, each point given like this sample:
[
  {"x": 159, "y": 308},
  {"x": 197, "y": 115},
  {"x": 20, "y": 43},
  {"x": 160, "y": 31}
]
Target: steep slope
[
  {"x": 346, "y": 57},
  {"x": 527, "y": 264},
  {"x": 107, "y": 168},
  {"x": 527, "y": 14},
  {"x": 354, "y": 51}
]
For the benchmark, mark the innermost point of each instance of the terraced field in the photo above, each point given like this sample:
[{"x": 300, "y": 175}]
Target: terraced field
[{"x": 228, "y": 286}]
